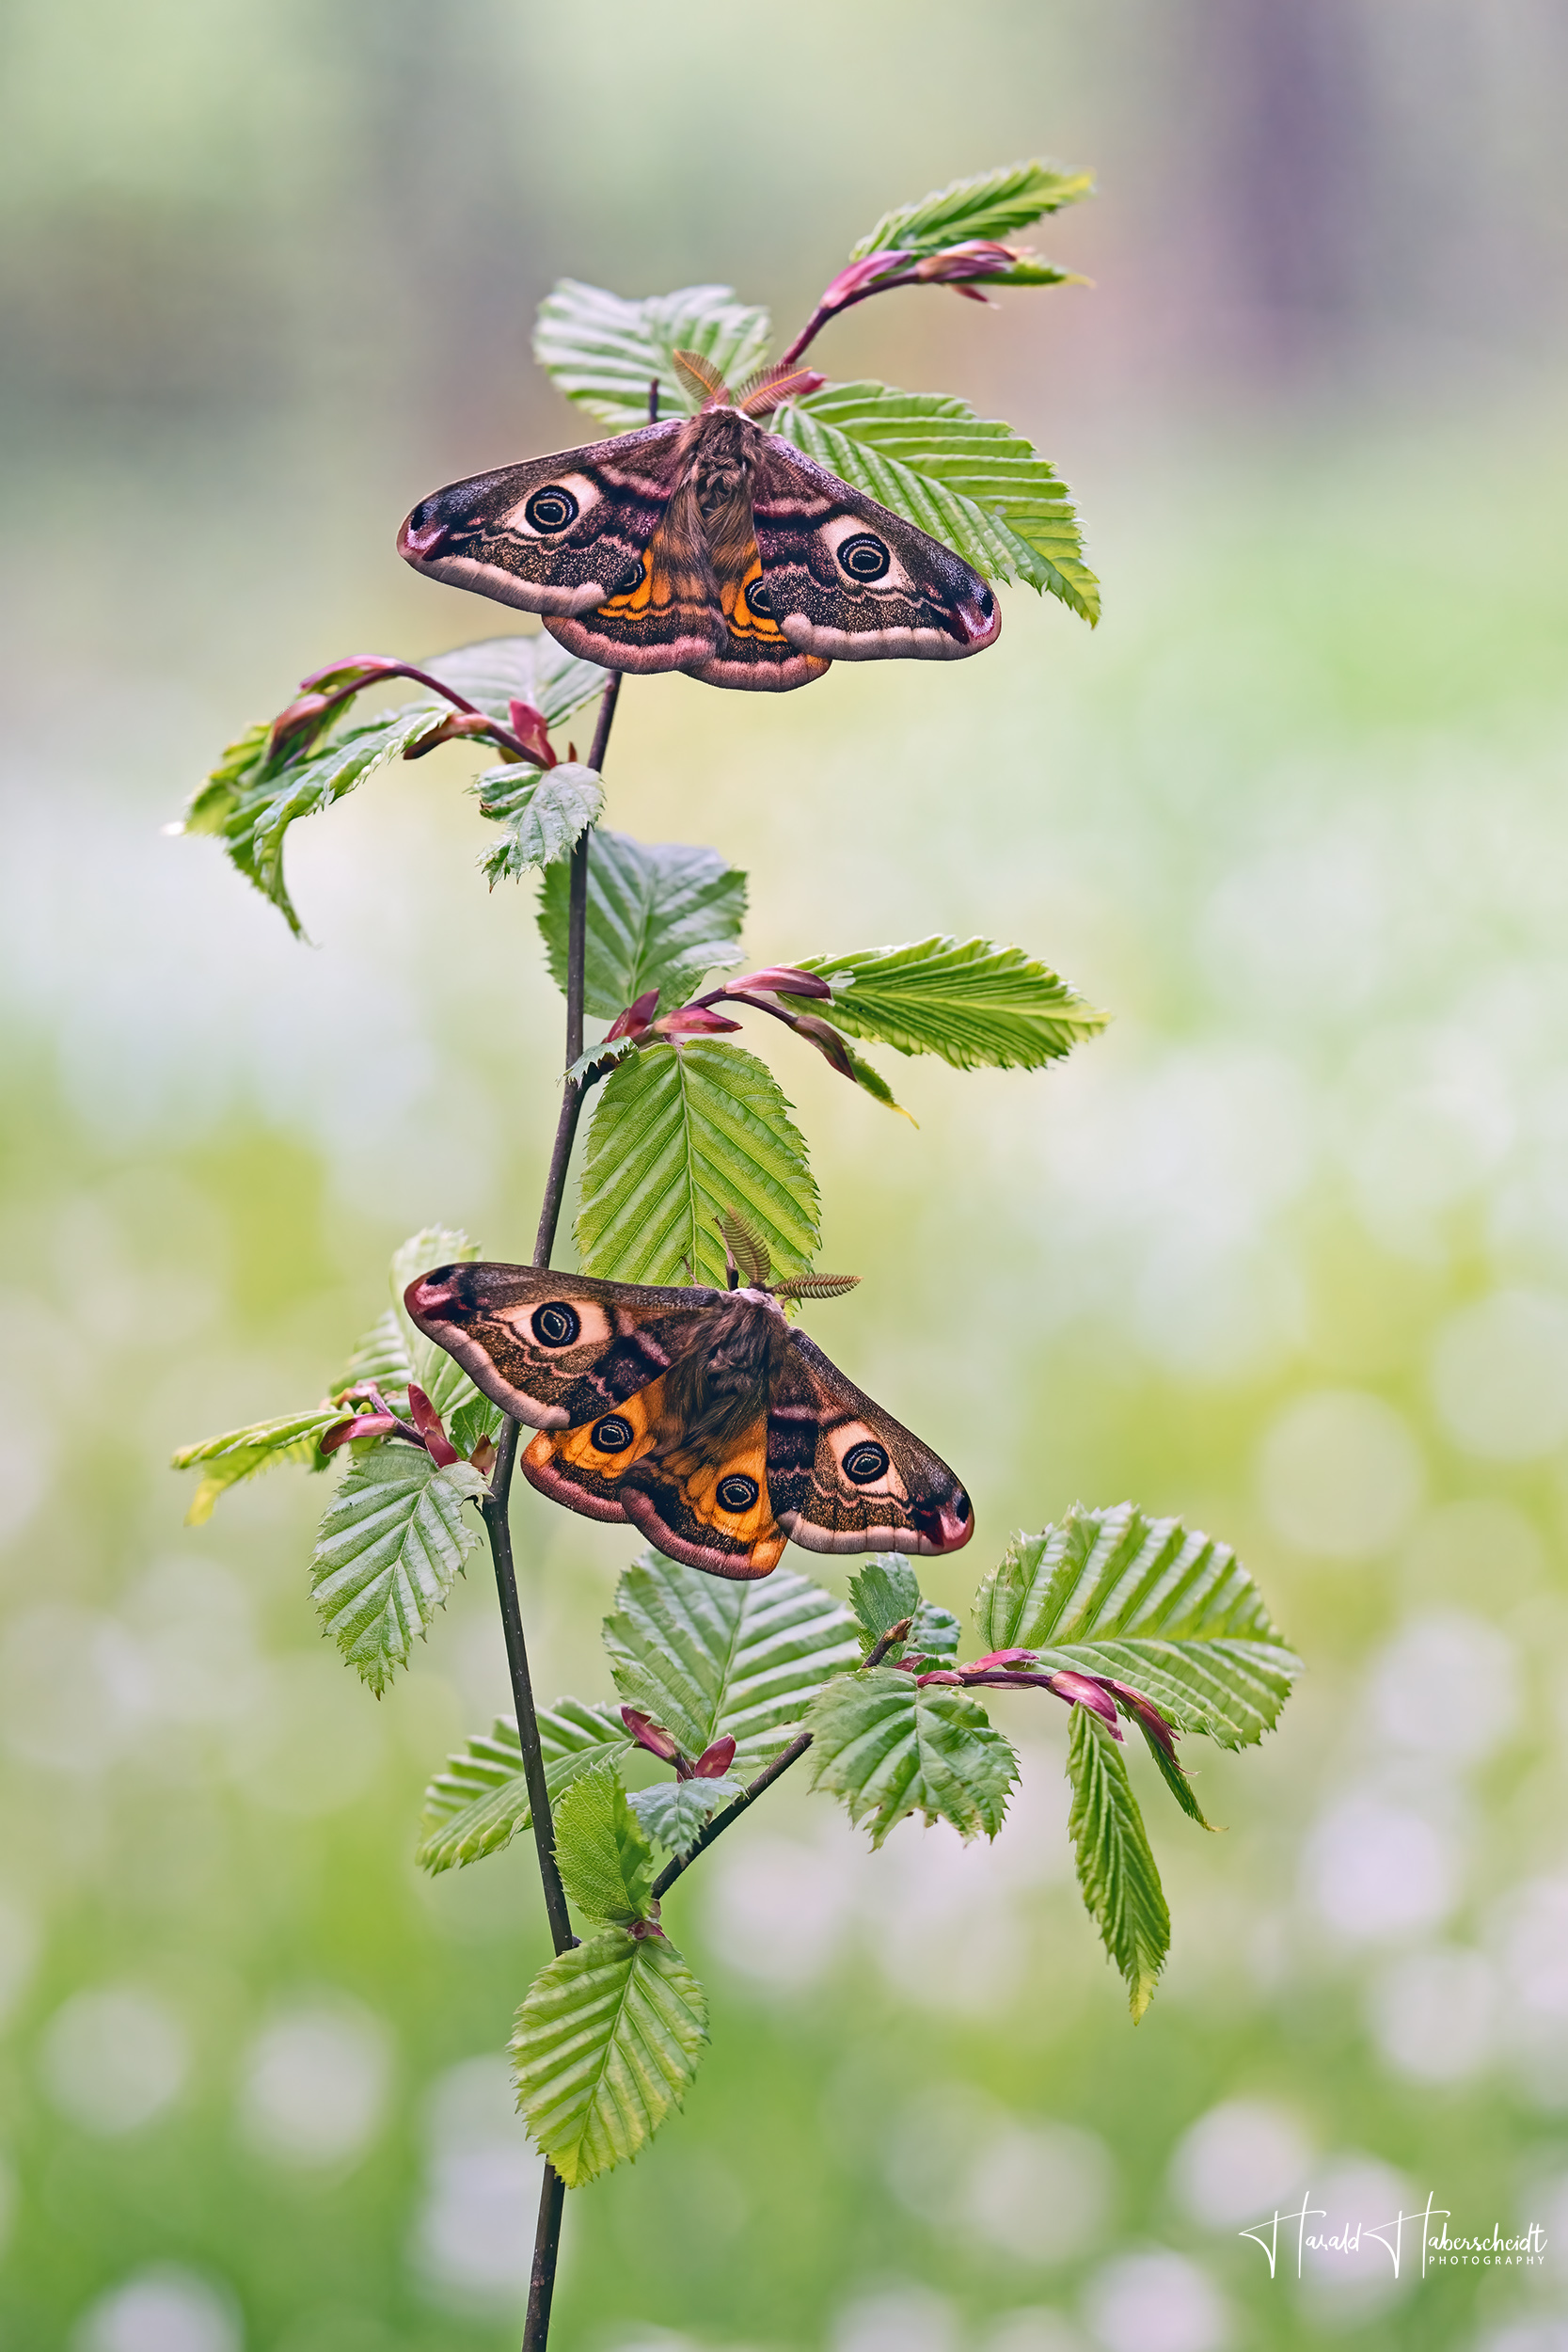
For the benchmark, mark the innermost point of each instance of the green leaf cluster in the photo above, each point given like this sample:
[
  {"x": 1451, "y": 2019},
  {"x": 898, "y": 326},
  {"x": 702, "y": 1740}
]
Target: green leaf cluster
[
  {"x": 1149, "y": 1602},
  {"x": 256, "y": 792}
]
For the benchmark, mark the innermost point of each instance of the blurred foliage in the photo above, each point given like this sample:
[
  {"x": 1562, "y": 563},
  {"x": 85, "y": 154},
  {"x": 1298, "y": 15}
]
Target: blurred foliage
[{"x": 1283, "y": 1253}]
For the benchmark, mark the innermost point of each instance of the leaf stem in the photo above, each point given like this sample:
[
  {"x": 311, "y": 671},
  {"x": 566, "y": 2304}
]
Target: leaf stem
[{"x": 765, "y": 1779}]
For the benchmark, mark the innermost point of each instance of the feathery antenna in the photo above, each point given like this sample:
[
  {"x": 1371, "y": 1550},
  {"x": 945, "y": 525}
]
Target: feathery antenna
[
  {"x": 745, "y": 1249},
  {"x": 816, "y": 1286},
  {"x": 700, "y": 376}
]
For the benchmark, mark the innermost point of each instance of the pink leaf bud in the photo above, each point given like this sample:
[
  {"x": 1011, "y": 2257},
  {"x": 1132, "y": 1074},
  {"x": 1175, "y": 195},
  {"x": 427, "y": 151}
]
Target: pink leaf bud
[
  {"x": 694, "y": 1021},
  {"x": 427, "y": 1420},
  {"x": 782, "y": 979},
  {"x": 714, "y": 1761},
  {"x": 528, "y": 725},
  {"x": 1147, "y": 1714},
  {"x": 636, "y": 1019},
  {"x": 650, "y": 1735},
  {"x": 362, "y": 1426},
  {"x": 1087, "y": 1690},
  {"x": 827, "y": 1042}
]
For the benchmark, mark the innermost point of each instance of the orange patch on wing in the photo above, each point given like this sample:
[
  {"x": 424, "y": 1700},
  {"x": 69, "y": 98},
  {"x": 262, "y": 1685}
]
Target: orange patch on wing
[
  {"x": 733, "y": 598},
  {"x": 713, "y": 1491},
  {"x": 581, "y": 1447}
]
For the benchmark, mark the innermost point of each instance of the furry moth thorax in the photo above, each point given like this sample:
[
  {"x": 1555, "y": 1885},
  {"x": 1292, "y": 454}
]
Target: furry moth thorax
[{"x": 704, "y": 544}]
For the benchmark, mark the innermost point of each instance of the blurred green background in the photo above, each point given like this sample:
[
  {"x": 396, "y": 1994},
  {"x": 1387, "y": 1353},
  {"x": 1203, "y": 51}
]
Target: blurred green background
[{"x": 1285, "y": 1252}]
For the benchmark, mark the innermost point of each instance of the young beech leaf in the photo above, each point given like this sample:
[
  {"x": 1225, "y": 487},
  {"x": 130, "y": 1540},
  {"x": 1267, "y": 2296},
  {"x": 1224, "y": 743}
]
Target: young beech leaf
[
  {"x": 883, "y": 1592},
  {"x": 993, "y": 205},
  {"x": 890, "y": 1747},
  {"x": 935, "y": 1632},
  {"x": 679, "y": 1133},
  {"x": 1148, "y": 1602},
  {"x": 973, "y": 483},
  {"x": 241, "y": 1452},
  {"x": 603, "y": 351},
  {"x": 709, "y": 1660},
  {"x": 674, "y": 1813},
  {"x": 605, "y": 1860},
  {"x": 1115, "y": 1866},
  {"x": 392, "y": 1540},
  {"x": 660, "y": 915},
  {"x": 481, "y": 1803},
  {"x": 966, "y": 999},
  {"x": 607, "y": 2043},
  {"x": 543, "y": 813},
  {"x": 383, "y": 1355},
  {"x": 255, "y": 793}
]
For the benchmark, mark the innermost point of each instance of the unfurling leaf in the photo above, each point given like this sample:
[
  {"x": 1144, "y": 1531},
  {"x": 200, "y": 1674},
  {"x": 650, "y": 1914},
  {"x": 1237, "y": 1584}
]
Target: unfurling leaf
[
  {"x": 263, "y": 784},
  {"x": 544, "y": 813},
  {"x": 966, "y": 999},
  {"x": 481, "y": 1803},
  {"x": 891, "y": 1746},
  {"x": 676, "y": 1812},
  {"x": 971, "y": 481},
  {"x": 603, "y": 352},
  {"x": 993, "y": 204},
  {"x": 679, "y": 1133},
  {"x": 605, "y": 1860},
  {"x": 241, "y": 1452},
  {"x": 708, "y": 1658},
  {"x": 607, "y": 2044},
  {"x": 660, "y": 915},
  {"x": 392, "y": 1540},
  {"x": 934, "y": 1632},
  {"x": 1146, "y": 1602},
  {"x": 883, "y": 1593},
  {"x": 1115, "y": 1866}
]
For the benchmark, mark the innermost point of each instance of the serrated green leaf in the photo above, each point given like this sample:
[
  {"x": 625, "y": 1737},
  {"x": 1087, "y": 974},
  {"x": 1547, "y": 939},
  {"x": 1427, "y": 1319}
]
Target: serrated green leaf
[
  {"x": 607, "y": 2043},
  {"x": 481, "y": 1802},
  {"x": 883, "y": 1593},
  {"x": 381, "y": 1354},
  {"x": 679, "y": 1133},
  {"x": 605, "y": 1863},
  {"x": 1116, "y": 1866},
  {"x": 1150, "y": 1603},
  {"x": 710, "y": 1660},
  {"x": 994, "y": 204},
  {"x": 660, "y": 915},
  {"x": 603, "y": 351},
  {"x": 473, "y": 1422},
  {"x": 966, "y": 999},
  {"x": 674, "y": 1813},
  {"x": 250, "y": 800},
  {"x": 971, "y": 481},
  {"x": 543, "y": 812},
  {"x": 935, "y": 1632},
  {"x": 241, "y": 1452},
  {"x": 392, "y": 1540},
  {"x": 890, "y": 1747},
  {"x": 498, "y": 671}
]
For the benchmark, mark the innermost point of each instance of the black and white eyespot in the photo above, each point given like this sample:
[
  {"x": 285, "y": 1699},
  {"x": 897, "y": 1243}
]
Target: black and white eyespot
[
  {"x": 614, "y": 1433},
  {"x": 555, "y": 1324},
  {"x": 865, "y": 1463},
  {"x": 759, "y": 597},
  {"x": 550, "y": 509},
  {"x": 736, "y": 1492},
  {"x": 863, "y": 556}
]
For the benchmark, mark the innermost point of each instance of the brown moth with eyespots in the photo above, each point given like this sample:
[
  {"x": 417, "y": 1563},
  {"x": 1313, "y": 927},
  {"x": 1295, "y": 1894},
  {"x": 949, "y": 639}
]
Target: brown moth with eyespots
[
  {"x": 708, "y": 545},
  {"x": 701, "y": 1416}
]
